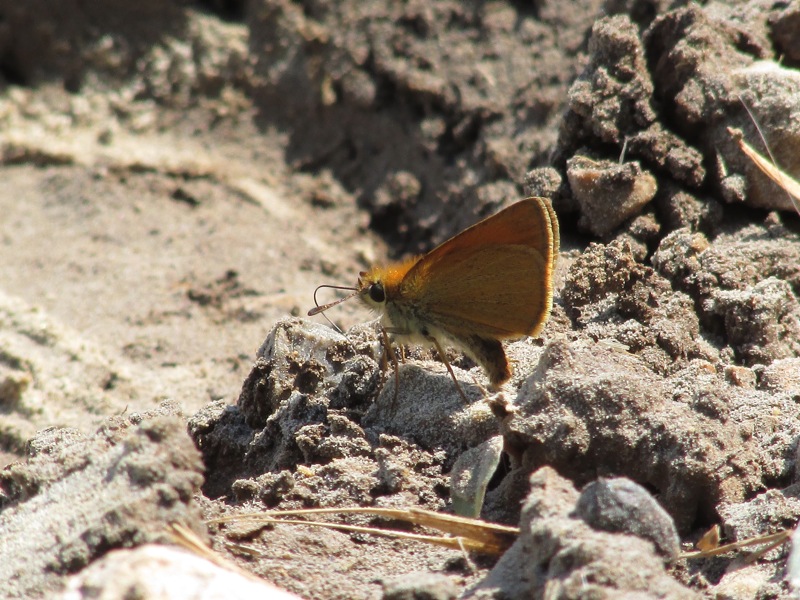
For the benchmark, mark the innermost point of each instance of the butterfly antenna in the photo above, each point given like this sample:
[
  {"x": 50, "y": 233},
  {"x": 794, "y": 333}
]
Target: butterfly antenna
[{"x": 321, "y": 309}]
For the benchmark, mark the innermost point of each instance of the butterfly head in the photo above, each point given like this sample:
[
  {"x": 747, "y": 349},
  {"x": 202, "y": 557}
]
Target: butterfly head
[
  {"x": 372, "y": 289},
  {"x": 384, "y": 284}
]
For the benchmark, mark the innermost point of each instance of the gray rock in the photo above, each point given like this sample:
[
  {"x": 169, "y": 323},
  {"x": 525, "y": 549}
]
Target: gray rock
[{"x": 621, "y": 505}]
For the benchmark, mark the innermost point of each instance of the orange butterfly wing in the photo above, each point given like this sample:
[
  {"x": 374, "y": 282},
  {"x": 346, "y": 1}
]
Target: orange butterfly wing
[{"x": 493, "y": 279}]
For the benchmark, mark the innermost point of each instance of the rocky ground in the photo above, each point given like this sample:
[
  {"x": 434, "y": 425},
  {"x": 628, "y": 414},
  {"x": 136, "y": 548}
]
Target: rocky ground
[{"x": 177, "y": 178}]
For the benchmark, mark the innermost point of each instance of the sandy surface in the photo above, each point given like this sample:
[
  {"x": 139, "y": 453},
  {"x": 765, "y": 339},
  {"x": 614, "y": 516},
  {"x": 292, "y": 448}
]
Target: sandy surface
[{"x": 176, "y": 181}]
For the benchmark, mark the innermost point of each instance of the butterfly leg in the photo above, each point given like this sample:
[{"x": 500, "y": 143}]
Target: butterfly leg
[
  {"x": 443, "y": 356},
  {"x": 387, "y": 344}
]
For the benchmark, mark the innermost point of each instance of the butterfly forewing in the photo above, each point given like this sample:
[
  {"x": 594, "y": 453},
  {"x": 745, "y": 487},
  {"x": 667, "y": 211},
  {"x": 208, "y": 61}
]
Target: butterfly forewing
[{"x": 492, "y": 279}]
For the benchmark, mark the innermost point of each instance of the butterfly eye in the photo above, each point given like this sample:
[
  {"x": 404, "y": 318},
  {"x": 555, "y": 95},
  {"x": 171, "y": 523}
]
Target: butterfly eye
[{"x": 376, "y": 293}]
